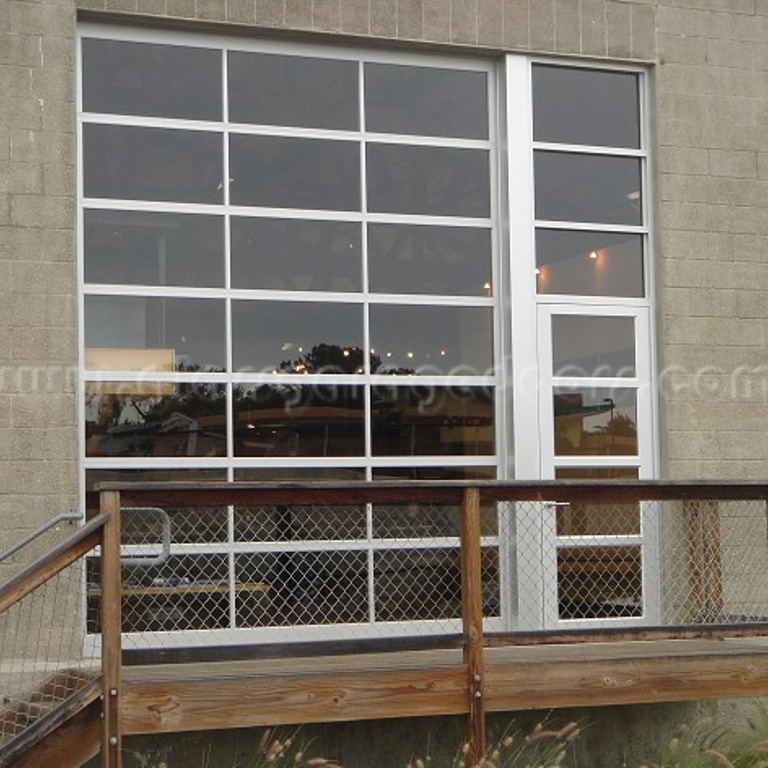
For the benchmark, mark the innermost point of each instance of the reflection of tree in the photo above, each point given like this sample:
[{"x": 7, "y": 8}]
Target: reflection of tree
[
  {"x": 621, "y": 425},
  {"x": 333, "y": 358}
]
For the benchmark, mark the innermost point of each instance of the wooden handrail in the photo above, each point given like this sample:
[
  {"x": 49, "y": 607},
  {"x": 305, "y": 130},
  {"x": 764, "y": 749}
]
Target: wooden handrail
[{"x": 55, "y": 561}]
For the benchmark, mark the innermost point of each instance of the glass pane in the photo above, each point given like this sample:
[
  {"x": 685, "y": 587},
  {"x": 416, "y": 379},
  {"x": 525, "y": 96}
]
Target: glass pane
[
  {"x": 126, "y": 419},
  {"x": 293, "y": 254},
  {"x": 595, "y": 422},
  {"x": 186, "y": 592},
  {"x": 426, "y": 101},
  {"x": 422, "y": 521},
  {"x": 417, "y": 584},
  {"x": 593, "y": 346},
  {"x": 95, "y": 476},
  {"x": 300, "y": 523},
  {"x": 424, "y": 259},
  {"x": 299, "y": 474},
  {"x": 580, "y": 519},
  {"x": 279, "y": 172},
  {"x": 134, "y": 333},
  {"x": 143, "y": 526},
  {"x": 599, "y": 582},
  {"x": 301, "y": 588},
  {"x": 586, "y": 106},
  {"x": 434, "y": 473},
  {"x": 297, "y": 337},
  {"x": 436, "y": 181},
  {"x": 297, "y": 420},
  {"x": 596, "y": 473},
  {"x": 589, "y": 263},
  {"x": 432, "y": 421},
  {"x": 153, "y": 80},
  {"x": 129, "y": 163},
  {"x": 293, "y": 90},
  {"x": 136, "y": 248},
  {"x": 431, "y": 340},
  {"x": 589, "y": 188}
]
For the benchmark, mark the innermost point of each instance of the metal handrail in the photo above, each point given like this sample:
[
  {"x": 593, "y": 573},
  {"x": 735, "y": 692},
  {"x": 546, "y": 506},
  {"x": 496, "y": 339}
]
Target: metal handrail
[{"x": 64, "y": 517}]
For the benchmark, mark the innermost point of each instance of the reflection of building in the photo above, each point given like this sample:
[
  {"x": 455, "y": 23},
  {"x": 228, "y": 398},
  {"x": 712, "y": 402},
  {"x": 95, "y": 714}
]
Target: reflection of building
[{"x": 365, "y": 191}]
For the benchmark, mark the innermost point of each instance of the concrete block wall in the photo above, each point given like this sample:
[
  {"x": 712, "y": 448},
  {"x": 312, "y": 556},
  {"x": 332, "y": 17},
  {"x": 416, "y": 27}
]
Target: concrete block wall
[
  {"x": 38, "y": 274},
  {"x": 710, "y": 59}
]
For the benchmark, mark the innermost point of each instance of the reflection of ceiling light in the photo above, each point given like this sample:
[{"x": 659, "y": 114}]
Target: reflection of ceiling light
[
  {"x": 537, "y": 271},
  {"x": 286, "y": 346},
  {"x": 346, "y": 353},
  {"x": 634, "y": 195},
  {"x": 593, "y": 255},
  {"x": 442, "y": 353},
  {"x": 409, "y": 355},
  {"x": 389, "y": 354},
  {"x": 251, "y": 426}
]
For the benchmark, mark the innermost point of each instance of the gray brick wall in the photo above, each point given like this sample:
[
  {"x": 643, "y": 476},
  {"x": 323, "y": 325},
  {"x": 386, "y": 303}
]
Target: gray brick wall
[
  {"x": 711, "y": 114},
  {"x": 38, "y": 337}
]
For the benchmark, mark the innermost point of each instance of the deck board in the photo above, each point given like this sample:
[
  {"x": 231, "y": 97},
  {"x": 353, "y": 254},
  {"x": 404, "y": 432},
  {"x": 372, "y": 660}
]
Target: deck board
[{"x": 180, "y": 697}]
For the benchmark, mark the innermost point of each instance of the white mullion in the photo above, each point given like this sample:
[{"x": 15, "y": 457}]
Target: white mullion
[
  {"x": 598, "y": 462},
  {"x": 422, "y": 299},
  {"x": 153, "y": 291},
  {"x": 587, "y": 149},
  {"x": 480, "y": 222},
  {"x": 599, "y": 305},
  {"x": 593, "y": 382},
  {"x": 163, "y": 123},
  {"x": 607, "y": 540},
  {"x": 440, "y": 142},
  {"x": 149, "y": 206},
  {"x": 618, "y": 229}
]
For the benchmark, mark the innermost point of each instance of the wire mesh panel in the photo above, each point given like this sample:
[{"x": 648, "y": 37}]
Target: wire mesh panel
[{"x": 43, "y": 658}]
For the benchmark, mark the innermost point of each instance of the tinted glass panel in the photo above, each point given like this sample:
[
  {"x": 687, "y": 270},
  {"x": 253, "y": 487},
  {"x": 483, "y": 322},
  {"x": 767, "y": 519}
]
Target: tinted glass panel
[
  {"x": 137, "y": 248},
  {"x": 596, "y": 473},
  {"x": 279, "y": 172},
  {"x": 297, "y": 420},
  {"x": 593, "y": 346},
  {"x": 172, "y": 420},
  {"x": 589, "y": 263},
  {"x": 599, "y": 582},
  {"x": 595, "y": 422},
  {"x": 292, "y": 254},
  {"x": 426, "y": 101},
  {"x": 305, "y": 474},
  {"x": 318, "y": 522},
  {"x": 434, "y": 473},
  {"x": 422, "y": 259},
  {"x": 131, "y": 163},
  {"x": 148, "y": 79},
  {"x": 95, "y": 476},
  {"x": 300, "y": 337},
  {"x": 293, "y": 90},
  {"x": 428, "y": 180},
  {"x": 585, "y": 106},
  {"x": 587, "y": 188},
  {"x": 131, "y": 333},
  {"x": 431, "y": 340},
  {"x": 432, "y": 421}
]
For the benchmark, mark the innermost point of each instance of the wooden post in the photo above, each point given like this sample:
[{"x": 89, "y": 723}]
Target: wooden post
[
  {"x": 472, "y": 619},
  {"x": 111, "y": 650}
]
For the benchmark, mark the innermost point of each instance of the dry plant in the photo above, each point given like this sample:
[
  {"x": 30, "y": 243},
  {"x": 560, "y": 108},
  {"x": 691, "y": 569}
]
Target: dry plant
[
  {"x": 277, "y": 751},
  {"x": 544, "y": 747}
]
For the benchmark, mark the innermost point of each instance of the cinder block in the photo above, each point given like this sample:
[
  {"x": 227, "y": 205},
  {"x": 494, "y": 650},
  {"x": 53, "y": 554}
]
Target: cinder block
[
  {"x": 489, "y": 23},
  {"x": 437, "y": 20},
  {"x": 355, "y": 17},
  {"x": 410, "y": 19},
  {"x": 43, "y": 409},
  {"x": 682, "y": 49},
  {"x": 734, "y": 164},
  {"x": 619, "y": 29},
  {"x": 183, "y": 9},
  {"x": 298, "y": 14},
  {"x": 326, "y": 15},
  {"x": 121, "y": 6},
  {"x": 36, "y": 211},
  {"x": 644, "y": 32},
  {"x": 762, "y": 165},
  {"x": 463, "y": 22},
  {"x": 541, "y": 29},
  {"x": 270, "y": 13},
  {"x": 151, "y": 7},
  {"x": 733, "y": 6},
  {"x": 516, "y": 24},
  {"x": 731, "y": 53},
  {"x": 91, "y": 5},
  {"x": 593, "y": 30},
  {"x": 567, "y": 27},
  {"x": 241, "y": 11},
  {"x": 211, "y": 10},
  {"x": 384, "y": 18}
]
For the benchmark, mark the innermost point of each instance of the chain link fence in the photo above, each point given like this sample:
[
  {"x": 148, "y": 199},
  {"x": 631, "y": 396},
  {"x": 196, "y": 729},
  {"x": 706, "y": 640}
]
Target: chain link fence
[
  {"x": 44, "y": 656},
  {"x": 322, "y": 571}
]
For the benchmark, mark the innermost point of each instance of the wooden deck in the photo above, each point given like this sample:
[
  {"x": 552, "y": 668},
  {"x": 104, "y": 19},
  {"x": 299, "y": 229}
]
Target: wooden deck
[{"x": 181, "y": 697}]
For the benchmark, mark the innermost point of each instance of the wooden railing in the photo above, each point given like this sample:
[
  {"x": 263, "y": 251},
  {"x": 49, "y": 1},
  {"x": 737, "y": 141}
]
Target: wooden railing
[
  {"x": 470, "y": 498},
  {"x": 102, "y": 531},
  {"x": 698, "y": 505}
]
